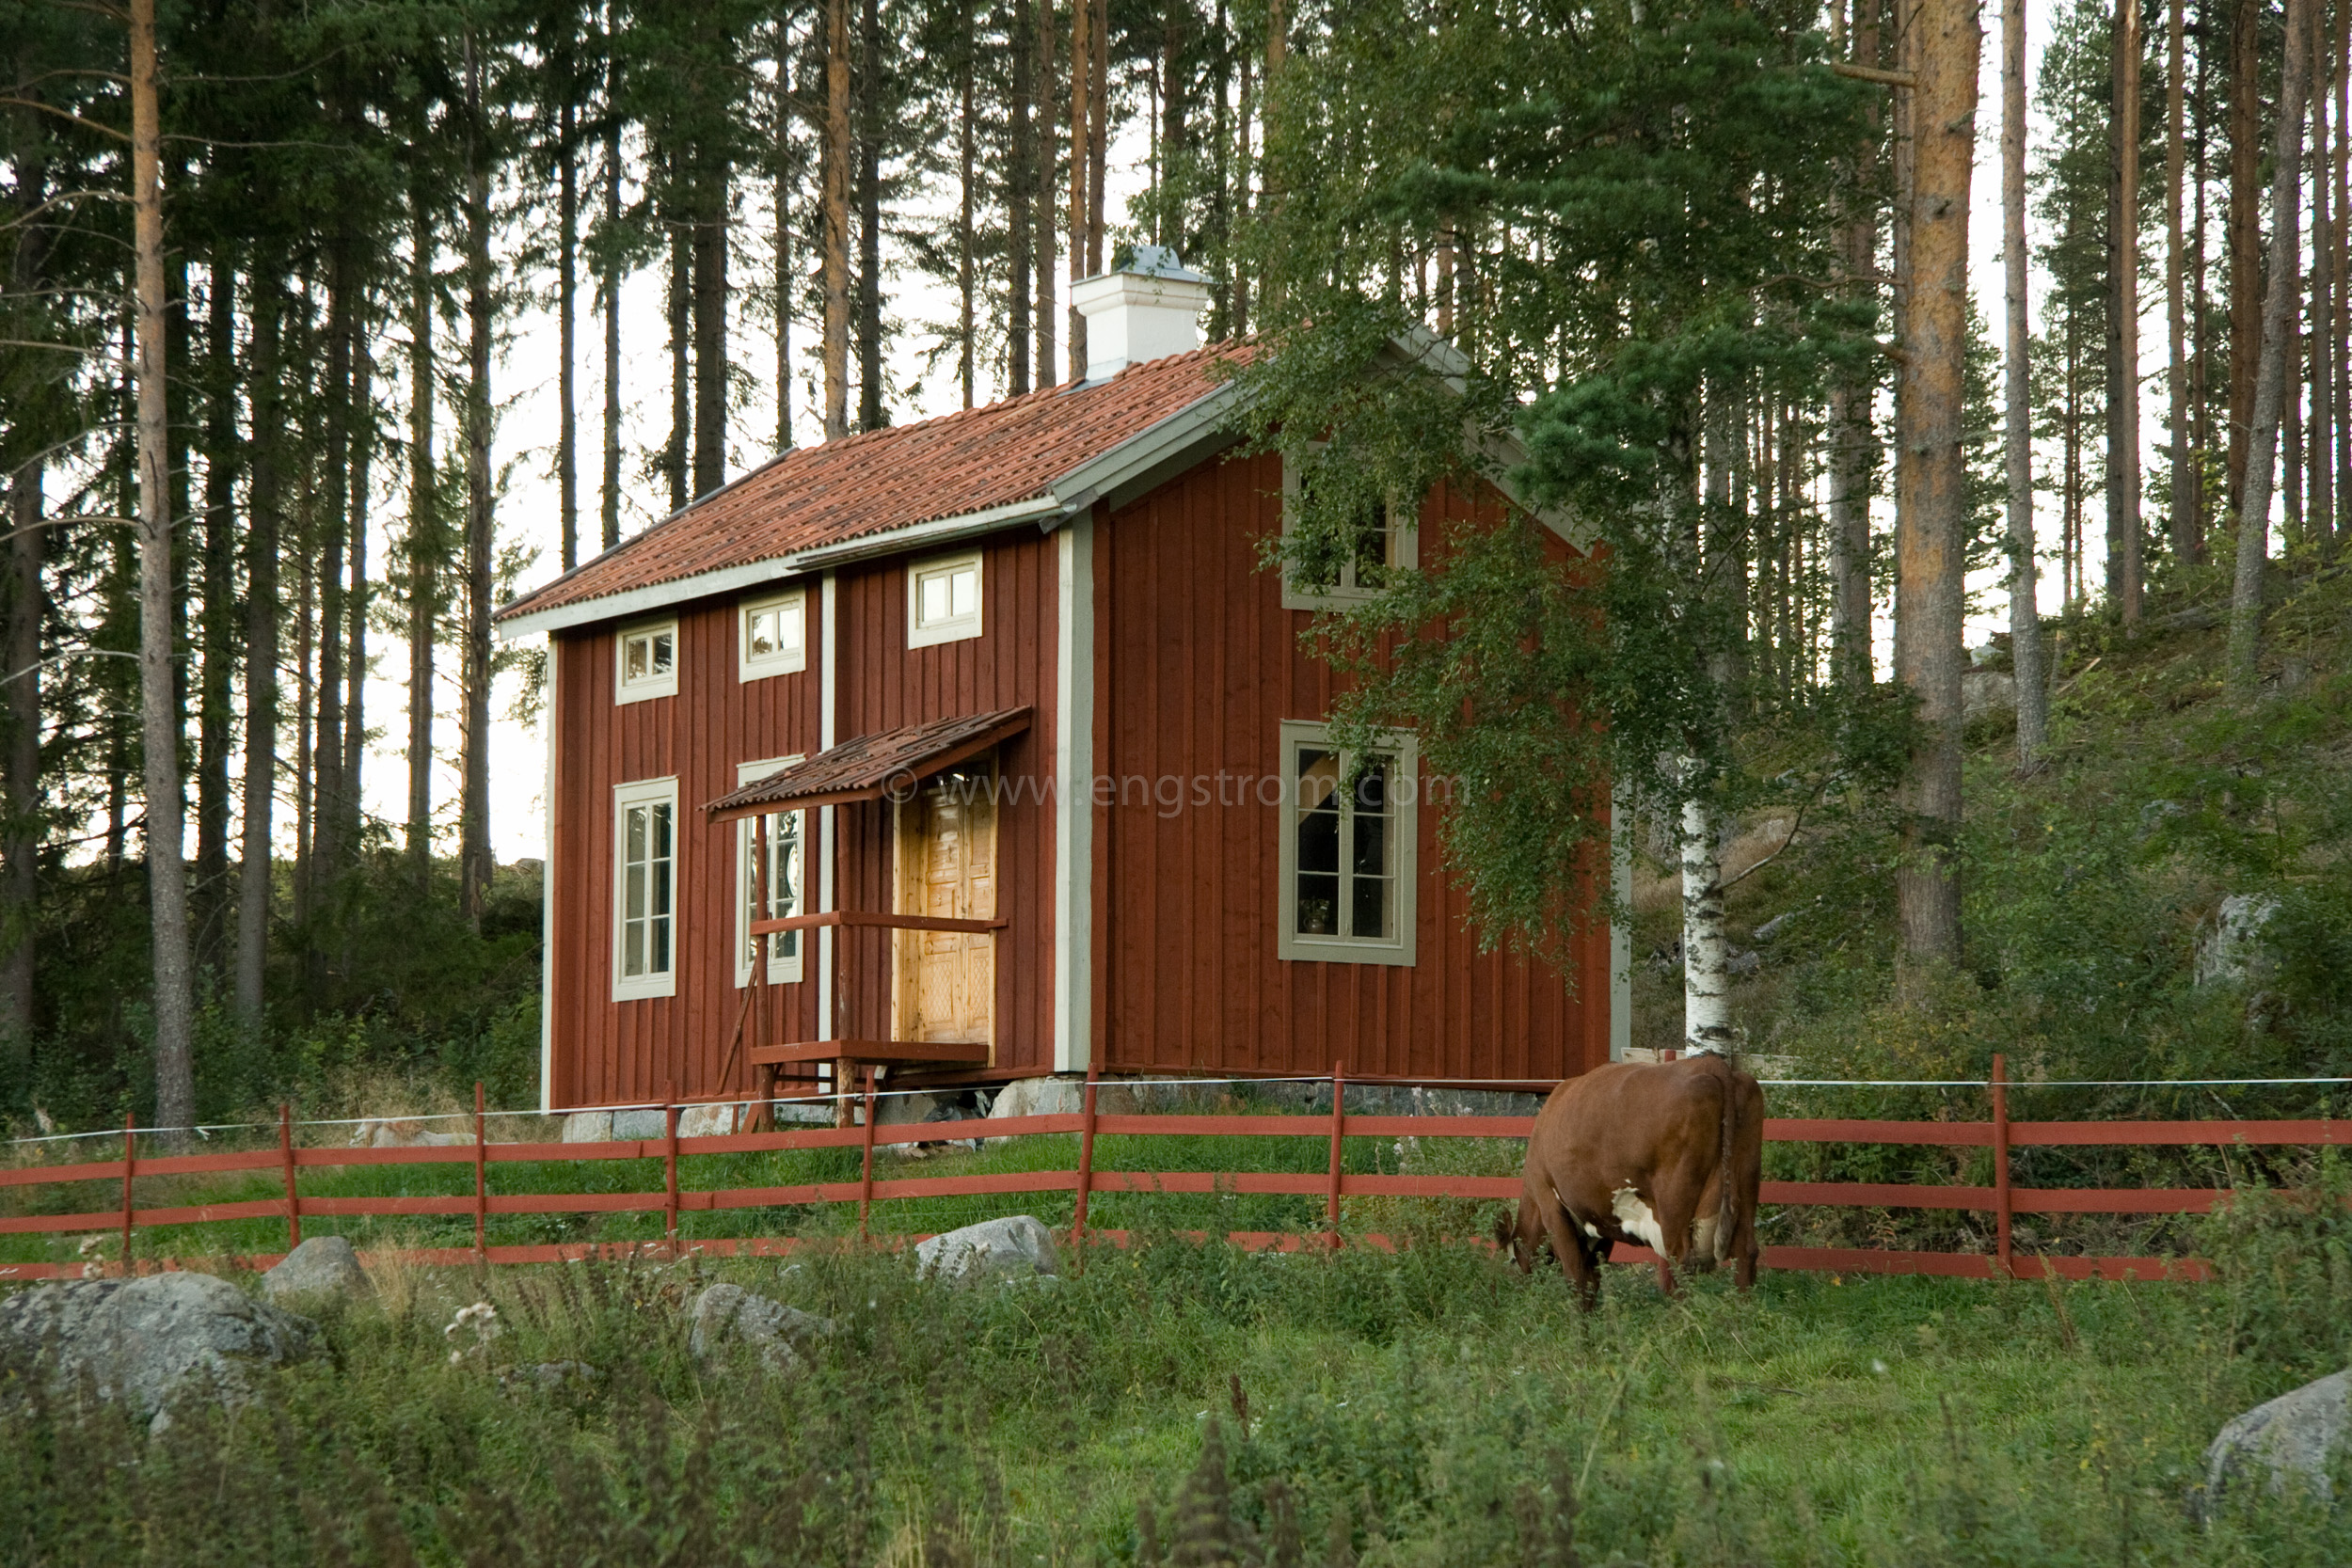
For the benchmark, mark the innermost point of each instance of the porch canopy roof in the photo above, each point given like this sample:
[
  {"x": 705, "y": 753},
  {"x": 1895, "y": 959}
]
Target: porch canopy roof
[{"x": 891, "y": 763}]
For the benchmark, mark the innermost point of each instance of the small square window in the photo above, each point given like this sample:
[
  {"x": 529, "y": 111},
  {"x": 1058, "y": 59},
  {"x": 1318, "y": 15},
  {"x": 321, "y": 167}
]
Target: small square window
[
  {"x": 775, "y": 637},
  {"x": 1383, "y": 534},
  {"x": 648, "y": 662},
  {"x": 1347, "y": 850},
  {"x": 943, "y": 601}
]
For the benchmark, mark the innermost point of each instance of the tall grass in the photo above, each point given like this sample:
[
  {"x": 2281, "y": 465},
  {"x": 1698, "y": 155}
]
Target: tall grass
[{"x": 1179, "y": 1403}]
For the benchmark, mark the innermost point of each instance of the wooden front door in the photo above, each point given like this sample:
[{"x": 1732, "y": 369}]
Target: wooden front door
[{"x": 947, "y": 981}]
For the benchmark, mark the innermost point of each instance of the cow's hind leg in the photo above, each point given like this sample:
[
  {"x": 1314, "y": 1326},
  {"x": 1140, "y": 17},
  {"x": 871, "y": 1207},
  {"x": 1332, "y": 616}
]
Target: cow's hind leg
[
  {"x": 1576, "y": 1255},
  {"x": 1678, "y": 1206},
  {"x": 1521, "y": 1234}
]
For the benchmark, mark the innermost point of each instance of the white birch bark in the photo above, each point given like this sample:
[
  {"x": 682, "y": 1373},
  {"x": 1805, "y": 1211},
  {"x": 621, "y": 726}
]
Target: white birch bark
[{"x": 1706, "y": 974}]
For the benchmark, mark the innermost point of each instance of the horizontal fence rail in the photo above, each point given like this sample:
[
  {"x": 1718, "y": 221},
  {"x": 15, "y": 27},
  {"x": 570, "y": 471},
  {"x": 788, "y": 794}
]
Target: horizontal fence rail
[{"x": 2002, "y": 1200}]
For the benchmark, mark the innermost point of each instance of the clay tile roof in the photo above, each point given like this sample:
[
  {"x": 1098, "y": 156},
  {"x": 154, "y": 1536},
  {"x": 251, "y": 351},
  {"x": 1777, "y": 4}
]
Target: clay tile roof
[
  {"x": 997, "y": 455},
  {"x": 872, "y": 766}
]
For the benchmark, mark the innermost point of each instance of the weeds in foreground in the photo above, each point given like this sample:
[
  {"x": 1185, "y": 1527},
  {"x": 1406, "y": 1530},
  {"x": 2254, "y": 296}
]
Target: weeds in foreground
[{"x": 1179, "y": 1405}]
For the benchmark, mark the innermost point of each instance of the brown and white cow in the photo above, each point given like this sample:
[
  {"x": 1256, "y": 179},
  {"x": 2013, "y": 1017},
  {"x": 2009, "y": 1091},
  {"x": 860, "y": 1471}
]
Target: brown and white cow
[{"x": 1666, "y": 1155}]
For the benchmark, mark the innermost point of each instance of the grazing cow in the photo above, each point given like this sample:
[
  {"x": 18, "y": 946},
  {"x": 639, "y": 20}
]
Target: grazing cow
[{"x": 1666, "y": 1155}]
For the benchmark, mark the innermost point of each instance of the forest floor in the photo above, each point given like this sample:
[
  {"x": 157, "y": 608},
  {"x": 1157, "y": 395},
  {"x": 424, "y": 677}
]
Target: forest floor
[{"x": 1428, "y": 1408}]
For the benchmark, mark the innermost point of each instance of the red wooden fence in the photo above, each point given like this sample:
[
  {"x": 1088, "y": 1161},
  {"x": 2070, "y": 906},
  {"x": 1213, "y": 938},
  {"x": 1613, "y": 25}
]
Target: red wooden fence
[{"x": 2002, "y": 1200}]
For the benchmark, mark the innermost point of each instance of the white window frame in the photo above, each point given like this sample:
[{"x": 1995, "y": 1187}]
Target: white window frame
[
  {"x": 1404, "y": 802},
  {"x": 783, "y": 968},
  {"x": 646, "y": 687},
  {"x": 784, "y": 661},
  {"x": 1404, "y": 533},
  {"x": 626, "y": 797},
  {"x": 952, "y": 628}
]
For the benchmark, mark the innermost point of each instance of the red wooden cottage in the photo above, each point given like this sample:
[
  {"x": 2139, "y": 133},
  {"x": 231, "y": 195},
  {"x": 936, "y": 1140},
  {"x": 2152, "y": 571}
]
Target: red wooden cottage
[{"x": 985, "y": 748}]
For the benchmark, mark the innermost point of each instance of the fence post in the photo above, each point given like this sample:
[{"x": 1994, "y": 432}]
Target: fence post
[
  {"x": 130, "y": 1161},
  {"x": 481, "y": 1179},
  {"x": 1339, "y": 1126},
  {"x": 2002, "y": 1198},
  {"x": 1085, "y": 1171},
  {"x": 285, "y": 1152},
  {"x": 865, "y": 1172},
  {"x": 669, "y": 1165}
]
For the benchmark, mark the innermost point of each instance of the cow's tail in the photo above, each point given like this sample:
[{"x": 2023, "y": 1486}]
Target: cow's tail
[{"x": 1727, "y": 1151}]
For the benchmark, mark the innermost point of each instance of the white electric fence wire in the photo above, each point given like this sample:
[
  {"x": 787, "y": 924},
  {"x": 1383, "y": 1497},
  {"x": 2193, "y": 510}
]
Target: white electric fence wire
[{"x": 1498, "y": 1085}]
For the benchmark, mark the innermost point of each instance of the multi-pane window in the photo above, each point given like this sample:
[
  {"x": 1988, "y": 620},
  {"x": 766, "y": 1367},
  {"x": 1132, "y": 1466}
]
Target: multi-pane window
[
  {"x": 648, "y": 660},
  {"x": 780, "y": 876},
  {"x": 943, "y": 601},
  {"x": 1380, "y": 538},
  {"x": 1347, "y": 850},
  {"x": 645, "y": 946},
  {"x": 775, "y": 637}
]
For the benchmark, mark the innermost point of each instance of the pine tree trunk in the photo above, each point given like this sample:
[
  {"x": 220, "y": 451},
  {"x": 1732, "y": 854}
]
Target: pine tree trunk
[
  {"x": 474, "y": 856},
  {"x": 2320, "y": 460},
  {"x": 1047, "y": 186},
  {"x": 678, "y": 452},
  {"x": 2123, "y": 488},
  {"x": 711, "y": 213},
  {"x": 567, "y": 330},
  {"x": 2025, "y": 614},
  {"x": 612, "y": 284},
  {"x": 358, "y": 597},
  {"x": 2270, "y": 390},
  {"x": 1020, "y": 174},
  {"x": 266, "y": 499},
  {"x": 1931, "y": 492},
  {"x": 217, "y": 627},
  {"x": 424, "y": 542},
  {"x": 1241, "y": 196},
  {"x": 783, "y": 278},
  {"x": 19, "y": 845},
  {"x": 327, "y": 758},
  {"x": 159, "y": 708},
  {"x": 1853, "y": 431},
  {"x": 967, "y": 175},
  {"x": 2185, "y": 458},
  {"x": 24, "y": 603},
  {"x": 869, "y": 345},
  {"x": 2246, "y": 240},
  {"x": 1081, "y": 168},
  {"x": 1098, "y": 132},
  {"x": 835, "y": 261}
]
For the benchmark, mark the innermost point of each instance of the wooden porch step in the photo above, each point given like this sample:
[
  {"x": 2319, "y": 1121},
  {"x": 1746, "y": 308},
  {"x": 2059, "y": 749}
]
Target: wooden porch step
[{"x": 884, "y": 1053}]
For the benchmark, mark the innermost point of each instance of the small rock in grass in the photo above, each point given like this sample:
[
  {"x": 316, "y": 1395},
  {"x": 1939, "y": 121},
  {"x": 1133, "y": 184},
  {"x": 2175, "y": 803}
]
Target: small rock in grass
[
  {"x": 2294, "y": 1436},
  {"x": 321, "y": 1266},
  {"x": 549, "y": 1377},
  {"x": 1013, "y": 1248},
  {"x": 148, "y": 1343},
  {"x": 724, "y": 1317}
]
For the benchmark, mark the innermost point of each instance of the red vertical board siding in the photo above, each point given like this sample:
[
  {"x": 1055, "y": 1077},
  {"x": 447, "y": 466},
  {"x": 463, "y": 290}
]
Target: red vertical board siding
[
  {"x": 885, "y": 685},
  {"x": 609, "y": 1052},
  {"x": 1199, "y": 666}
]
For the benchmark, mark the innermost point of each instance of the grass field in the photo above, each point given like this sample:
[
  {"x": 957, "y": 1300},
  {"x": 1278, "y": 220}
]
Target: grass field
[{"x": 1429, "y": 1406}]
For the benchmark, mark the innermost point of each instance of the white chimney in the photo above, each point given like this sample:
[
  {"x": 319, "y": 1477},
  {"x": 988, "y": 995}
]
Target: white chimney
[{"x": 1147, "y": 310}]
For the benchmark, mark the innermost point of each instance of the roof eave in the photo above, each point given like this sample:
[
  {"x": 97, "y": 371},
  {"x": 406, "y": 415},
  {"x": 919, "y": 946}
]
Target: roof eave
[{"x": 1096, "y": 478}]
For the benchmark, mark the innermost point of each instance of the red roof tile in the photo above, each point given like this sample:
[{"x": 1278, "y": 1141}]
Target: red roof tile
[
  {"x": 997, "y": 455},
  {"x": 872, "y": 766}
]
